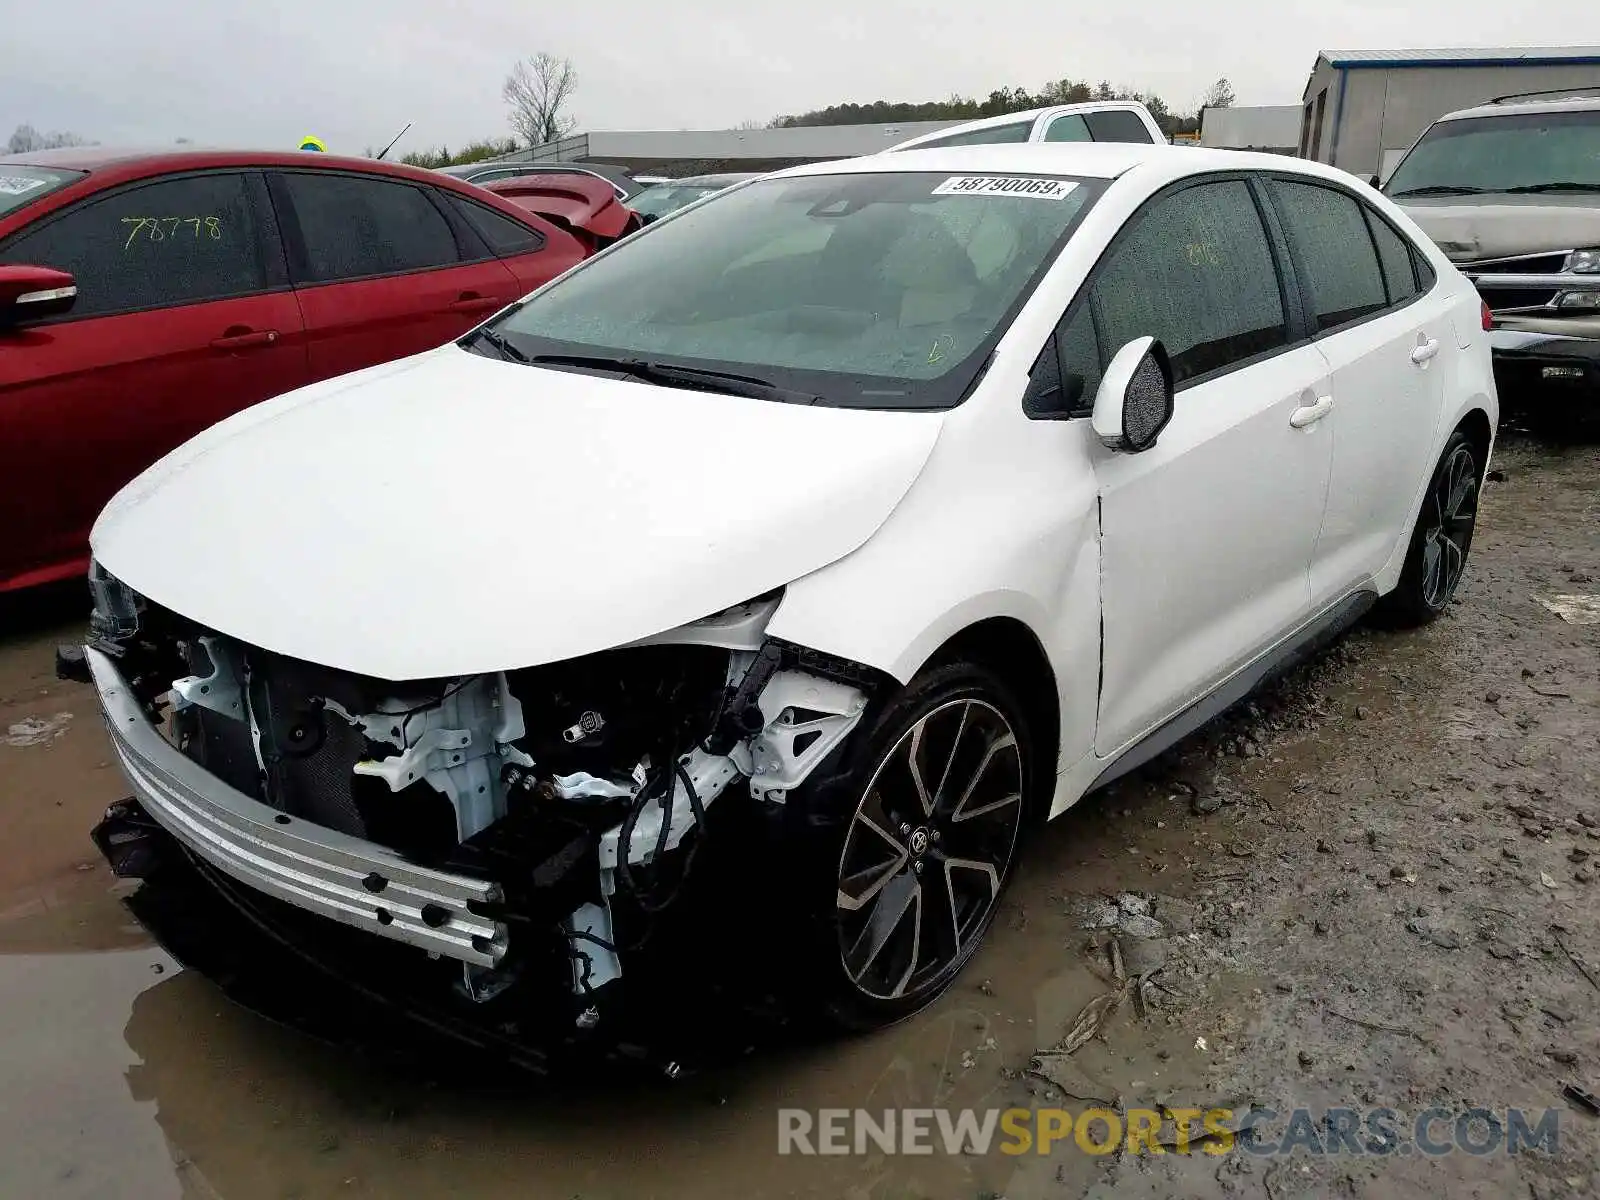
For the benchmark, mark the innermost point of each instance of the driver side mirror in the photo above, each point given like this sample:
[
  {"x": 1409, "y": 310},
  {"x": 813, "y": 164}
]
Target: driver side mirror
[
  {"x": 33, "y": 293},
  {"x": 1135, "y": 400}
]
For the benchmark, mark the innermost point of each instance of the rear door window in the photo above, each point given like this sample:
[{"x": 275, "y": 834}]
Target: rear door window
[
  {"x": 1117, "y": 125},
  {"x": 353, "y": 227},
  {"x": 155, "y": 245},
  {"x": 1195, "y": 271},
  {"x": 1339, "y": 263}
]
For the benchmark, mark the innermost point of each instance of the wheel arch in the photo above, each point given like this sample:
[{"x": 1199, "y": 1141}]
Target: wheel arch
[
  {"x": 1011, "y": 649},
  {"x": 1475, "y": 424}
]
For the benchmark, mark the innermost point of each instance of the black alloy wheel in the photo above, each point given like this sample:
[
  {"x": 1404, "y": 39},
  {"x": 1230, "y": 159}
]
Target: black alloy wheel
[
  {"x": 1451, "y": 514},
  {"x": 897, "y": 850}
]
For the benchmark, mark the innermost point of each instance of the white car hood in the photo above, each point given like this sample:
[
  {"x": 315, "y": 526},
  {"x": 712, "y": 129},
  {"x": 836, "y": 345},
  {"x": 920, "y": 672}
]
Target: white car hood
[{"x": 450, "y": 514}]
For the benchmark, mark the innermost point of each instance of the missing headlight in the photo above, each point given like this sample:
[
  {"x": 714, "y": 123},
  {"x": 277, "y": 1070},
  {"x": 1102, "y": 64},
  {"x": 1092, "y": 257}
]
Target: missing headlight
[{"x": 116, "y": 606}]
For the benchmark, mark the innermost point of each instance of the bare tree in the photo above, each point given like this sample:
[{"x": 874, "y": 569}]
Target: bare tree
[
  {"x": 1218, "y": 95},
  {"x": 539, "y": 89},
  {"x": 27, "y": 139}
]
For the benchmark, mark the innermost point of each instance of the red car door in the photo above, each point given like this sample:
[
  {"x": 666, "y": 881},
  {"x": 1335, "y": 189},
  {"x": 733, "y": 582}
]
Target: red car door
[
  {"x": 183, "y": 316},
  {"x": 380, "y": 269}
]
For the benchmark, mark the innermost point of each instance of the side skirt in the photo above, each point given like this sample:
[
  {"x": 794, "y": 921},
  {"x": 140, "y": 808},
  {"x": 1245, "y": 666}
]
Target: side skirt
[{"x": 1299, "y": 646}]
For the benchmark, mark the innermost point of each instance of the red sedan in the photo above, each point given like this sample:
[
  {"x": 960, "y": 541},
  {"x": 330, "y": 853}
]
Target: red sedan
[{"x": 144, "y": 297}]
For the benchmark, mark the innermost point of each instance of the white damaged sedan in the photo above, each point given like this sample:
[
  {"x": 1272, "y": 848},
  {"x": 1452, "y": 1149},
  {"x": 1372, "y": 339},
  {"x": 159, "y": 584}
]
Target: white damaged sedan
[{"x": 874, "y": 511}]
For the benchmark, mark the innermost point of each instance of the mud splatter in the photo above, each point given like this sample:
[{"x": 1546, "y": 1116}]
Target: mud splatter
[{"x": 36, "y": 731}]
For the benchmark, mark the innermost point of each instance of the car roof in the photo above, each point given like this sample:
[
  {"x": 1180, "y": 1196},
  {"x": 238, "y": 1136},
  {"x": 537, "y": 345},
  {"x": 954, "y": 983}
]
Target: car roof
[
  {"x": 1093, "y": 160},
  {"x": 1555, "y": 103},
  {"x": 132, "y": 161},
  {"x": 1033, "y": 114}
]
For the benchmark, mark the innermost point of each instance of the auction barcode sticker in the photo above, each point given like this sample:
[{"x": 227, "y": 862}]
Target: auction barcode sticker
[
  {"x": 1005, "y": 185},
  {"x": 16, "y": 185}
]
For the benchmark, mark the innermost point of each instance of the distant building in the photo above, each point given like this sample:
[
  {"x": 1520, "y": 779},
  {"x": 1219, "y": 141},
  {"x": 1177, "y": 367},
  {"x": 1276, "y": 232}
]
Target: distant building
[
  {"x": 691, "y": 151},
  {"x": 1270, "y": 127},
  {"x": 1363, "y": 109}
]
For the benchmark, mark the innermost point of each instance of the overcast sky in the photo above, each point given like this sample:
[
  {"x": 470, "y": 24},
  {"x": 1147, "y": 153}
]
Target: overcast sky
[{"x": 354, "y": 71}]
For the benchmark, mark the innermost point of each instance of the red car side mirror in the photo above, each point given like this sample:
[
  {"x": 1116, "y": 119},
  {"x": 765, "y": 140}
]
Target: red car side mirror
[{"x": 32, "y": 293}]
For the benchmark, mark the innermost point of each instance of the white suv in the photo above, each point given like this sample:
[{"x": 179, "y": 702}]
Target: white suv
[
  {"x": 1094, "y": 121},
  {"x": 814, "y": 545}
]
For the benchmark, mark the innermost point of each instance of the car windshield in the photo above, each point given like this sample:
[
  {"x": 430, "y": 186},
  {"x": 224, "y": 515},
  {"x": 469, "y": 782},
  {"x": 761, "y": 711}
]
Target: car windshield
[
  {"x": 1517, "y": 152},
  {"x": 882, "y": 290},
  {"x": 658, "y": 201},
  {"x": 20, "y": 184}
]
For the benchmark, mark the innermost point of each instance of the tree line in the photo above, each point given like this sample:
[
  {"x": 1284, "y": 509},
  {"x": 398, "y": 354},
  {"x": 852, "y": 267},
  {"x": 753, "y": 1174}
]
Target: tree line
[
  {"x": 26, "y": 139},
  {"x": 1009, "y": 100}
]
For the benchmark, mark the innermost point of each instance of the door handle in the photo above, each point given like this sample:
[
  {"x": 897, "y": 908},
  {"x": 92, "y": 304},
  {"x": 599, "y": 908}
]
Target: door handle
[
  {"x": 1310, "y": 414},
  {"x": 470, "y": 302},
  {"x": 1424, "y": 351},
  {"x": 240, "y": 337}
]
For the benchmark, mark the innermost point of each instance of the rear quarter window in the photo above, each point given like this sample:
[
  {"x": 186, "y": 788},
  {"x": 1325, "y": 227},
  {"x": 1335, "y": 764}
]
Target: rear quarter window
[
  {"x": 1117, "y": 125},
  {"x": 1396, "y": 257},
  {"x": 502, "y": 235}
]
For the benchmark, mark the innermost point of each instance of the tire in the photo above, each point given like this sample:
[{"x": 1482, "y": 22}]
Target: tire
[
  {"x": 861, "y": 846},
  {"x": 1437, "y": 557}
]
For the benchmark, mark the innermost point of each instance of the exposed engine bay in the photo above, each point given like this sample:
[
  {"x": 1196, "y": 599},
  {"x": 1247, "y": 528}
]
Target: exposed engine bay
[{"x": 578, "y": 790}]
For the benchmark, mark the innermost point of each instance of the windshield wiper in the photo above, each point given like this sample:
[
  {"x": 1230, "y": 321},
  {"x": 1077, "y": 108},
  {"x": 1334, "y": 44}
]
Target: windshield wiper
[
  {"x": 1441, "y": 189},
  {"x": 1564, "y": 185},
  {"x": 670, "y": 375},
  {"x": 501, "y": 343}
]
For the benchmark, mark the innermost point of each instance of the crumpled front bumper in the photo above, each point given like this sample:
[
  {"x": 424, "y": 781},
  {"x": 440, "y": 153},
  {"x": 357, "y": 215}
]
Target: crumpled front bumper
[{"x": 346, "y": 879}]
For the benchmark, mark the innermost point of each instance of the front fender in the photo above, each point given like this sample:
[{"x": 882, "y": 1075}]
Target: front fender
[{"x": 969, "y": 543}]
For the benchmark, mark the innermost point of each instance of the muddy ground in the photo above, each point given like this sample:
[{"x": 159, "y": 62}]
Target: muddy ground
[{"x": 1377, "y": 886}]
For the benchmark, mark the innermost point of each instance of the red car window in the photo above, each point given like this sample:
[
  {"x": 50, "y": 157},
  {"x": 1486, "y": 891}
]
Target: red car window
[
  {"x": 502, "y": 235},
  {"x": 352, "y": 228},
  {"x": 176, "y": 241}
]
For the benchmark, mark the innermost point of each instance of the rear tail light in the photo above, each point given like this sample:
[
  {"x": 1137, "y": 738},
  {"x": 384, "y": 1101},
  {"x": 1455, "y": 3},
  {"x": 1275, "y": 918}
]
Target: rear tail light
[{"x": 1488, "y": 317}]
